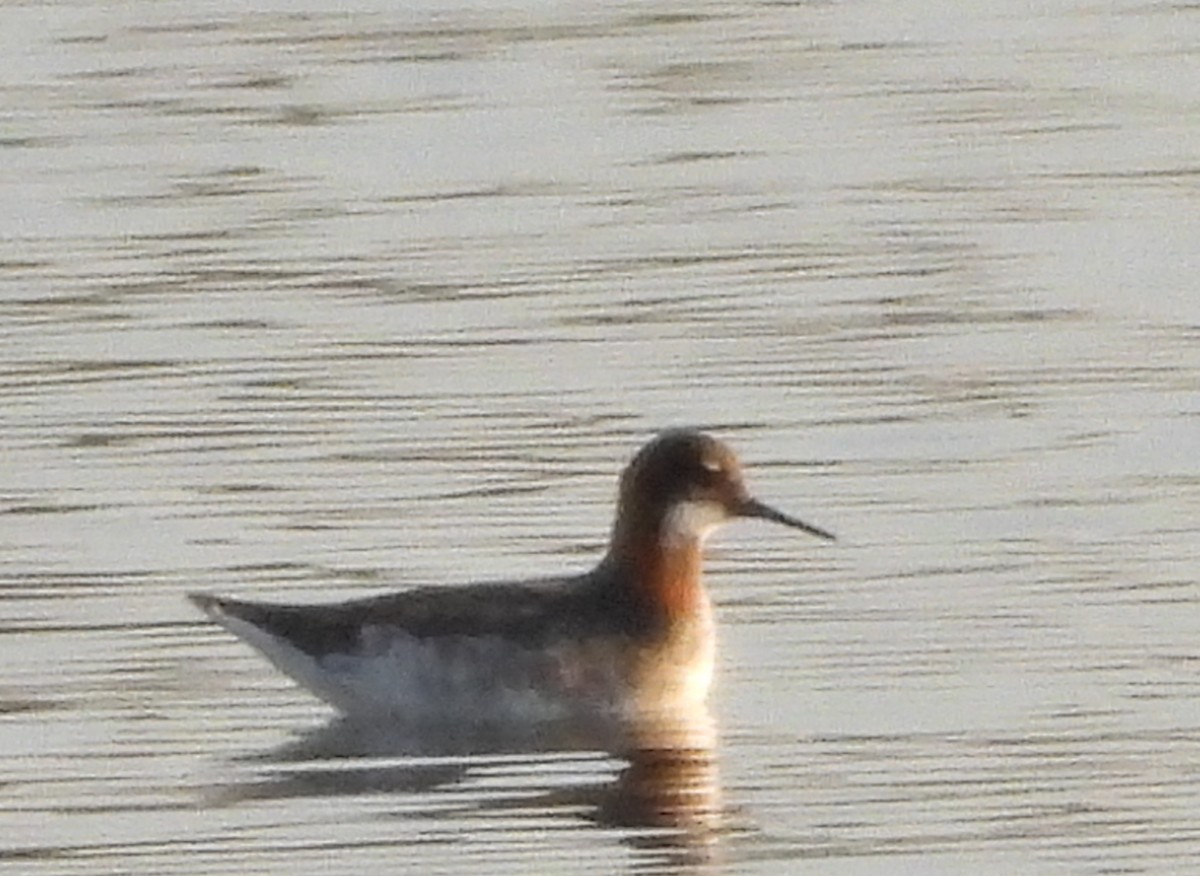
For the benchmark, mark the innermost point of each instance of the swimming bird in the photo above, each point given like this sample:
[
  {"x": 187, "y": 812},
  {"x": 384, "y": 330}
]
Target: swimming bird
[{"x": 633, "y": 633}]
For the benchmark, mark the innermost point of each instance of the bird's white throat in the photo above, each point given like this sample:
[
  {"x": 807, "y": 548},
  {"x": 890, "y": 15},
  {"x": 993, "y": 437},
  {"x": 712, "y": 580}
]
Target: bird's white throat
[{"x": 692, "y": 520}]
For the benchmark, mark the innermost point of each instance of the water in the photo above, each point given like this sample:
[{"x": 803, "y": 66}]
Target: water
[{"x": 306, "y": 304}]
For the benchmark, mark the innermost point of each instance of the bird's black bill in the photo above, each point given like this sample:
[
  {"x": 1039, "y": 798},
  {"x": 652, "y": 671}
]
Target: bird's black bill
[{"x": 755, "y": 508}]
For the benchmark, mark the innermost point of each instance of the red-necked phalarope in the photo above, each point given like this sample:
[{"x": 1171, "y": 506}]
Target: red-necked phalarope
[{"x": 635, "y": 632}]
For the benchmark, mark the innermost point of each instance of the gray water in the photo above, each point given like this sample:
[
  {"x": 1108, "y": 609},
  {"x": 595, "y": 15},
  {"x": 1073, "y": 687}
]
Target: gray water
[{"x": 305, "y": 304}]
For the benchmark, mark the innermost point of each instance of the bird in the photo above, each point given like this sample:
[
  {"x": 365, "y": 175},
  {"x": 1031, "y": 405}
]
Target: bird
[{"x": 634, "y": 633}]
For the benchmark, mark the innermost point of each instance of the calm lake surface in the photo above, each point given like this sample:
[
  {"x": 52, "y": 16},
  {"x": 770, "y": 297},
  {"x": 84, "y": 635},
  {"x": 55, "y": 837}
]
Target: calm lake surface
[{"x": 301, "y": 304}]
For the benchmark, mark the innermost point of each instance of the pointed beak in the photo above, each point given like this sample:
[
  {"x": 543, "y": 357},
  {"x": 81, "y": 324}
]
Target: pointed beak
[{"x": 754, "y": 508}]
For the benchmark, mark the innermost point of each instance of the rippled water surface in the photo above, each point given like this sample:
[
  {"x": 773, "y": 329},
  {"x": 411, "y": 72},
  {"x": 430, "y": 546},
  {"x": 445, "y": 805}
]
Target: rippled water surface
[{"x": 306, "y": 304}]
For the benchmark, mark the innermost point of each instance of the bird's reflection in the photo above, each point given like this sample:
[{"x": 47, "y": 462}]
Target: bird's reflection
[
  {"x": 669, "y": 782},
  {"x": 666, "y": 779}
]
